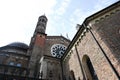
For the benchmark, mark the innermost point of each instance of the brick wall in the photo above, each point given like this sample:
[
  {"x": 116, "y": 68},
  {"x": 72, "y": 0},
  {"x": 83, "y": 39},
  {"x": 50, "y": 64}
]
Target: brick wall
[
  {"x": 107, "y": 32},
  {"x": 88, "y": 47}
]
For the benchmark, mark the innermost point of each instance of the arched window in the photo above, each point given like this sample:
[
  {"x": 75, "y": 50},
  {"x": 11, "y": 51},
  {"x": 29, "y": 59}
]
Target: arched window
[
  {"x": 3, "y": 57},
  {"x": 40, "y": 19},
  {"x": 89, "y": 69},
  {"x": 72, "y": 75},
  {"x": 50, "y": 74},
  {"x": 43, "y": 20},
  {"x": 78, "y": 78}
]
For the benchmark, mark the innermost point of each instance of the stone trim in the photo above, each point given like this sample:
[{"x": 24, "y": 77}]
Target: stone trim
[
  {"x": 76, "y": 43},
  {"x": 101, "y": 18}
]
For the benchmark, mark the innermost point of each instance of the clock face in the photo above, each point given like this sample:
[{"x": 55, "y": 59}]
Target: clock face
[{"x": 57, "y": 50}]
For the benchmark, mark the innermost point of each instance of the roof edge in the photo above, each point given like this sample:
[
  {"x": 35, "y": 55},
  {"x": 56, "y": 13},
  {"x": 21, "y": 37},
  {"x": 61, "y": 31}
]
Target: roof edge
[{"x": 86, "y": 21}]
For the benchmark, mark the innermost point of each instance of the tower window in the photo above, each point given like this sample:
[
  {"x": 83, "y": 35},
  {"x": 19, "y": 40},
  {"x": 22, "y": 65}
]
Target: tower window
[{"x": 43, "y": 20}]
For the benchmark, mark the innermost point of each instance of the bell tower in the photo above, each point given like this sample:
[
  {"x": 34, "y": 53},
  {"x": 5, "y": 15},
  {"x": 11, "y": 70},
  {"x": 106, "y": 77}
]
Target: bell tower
[
  {"x": 41, "y": 24},
  {"x": 37, "y": 45}
]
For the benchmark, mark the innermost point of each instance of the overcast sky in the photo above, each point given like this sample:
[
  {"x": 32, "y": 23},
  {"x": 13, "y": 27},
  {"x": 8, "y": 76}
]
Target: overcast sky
[{"x": 18, "y": 18}]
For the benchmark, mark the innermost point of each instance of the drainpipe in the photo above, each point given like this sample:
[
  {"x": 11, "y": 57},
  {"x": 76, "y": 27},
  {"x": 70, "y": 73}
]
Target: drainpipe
[
  {"x": 114, "y": 70},
  {"x": 80, "y": 63},
  {"x": 62, "y": 69}
]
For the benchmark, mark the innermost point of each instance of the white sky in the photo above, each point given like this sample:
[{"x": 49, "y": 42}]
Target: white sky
[{"x": 18, "y": 18}]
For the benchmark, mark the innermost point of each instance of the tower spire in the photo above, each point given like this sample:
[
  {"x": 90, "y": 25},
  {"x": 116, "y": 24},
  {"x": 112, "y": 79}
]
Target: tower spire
[{"x": 44, "y": 14}]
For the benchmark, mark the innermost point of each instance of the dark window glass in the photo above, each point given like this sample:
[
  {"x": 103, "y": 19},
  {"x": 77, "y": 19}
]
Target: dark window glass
[
  {"x": 50, "y": 74},
  {"x": 72, "y": 75},
  {"x": 43, "y": 20},
  {"x": 91, "y": 69}
]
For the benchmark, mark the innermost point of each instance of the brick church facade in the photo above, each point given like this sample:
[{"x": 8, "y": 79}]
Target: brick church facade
[{"x": 93, "y": 53}]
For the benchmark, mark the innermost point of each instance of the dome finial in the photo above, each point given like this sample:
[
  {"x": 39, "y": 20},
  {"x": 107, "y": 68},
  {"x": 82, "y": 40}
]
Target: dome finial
[{"x": 44, "y": 14}]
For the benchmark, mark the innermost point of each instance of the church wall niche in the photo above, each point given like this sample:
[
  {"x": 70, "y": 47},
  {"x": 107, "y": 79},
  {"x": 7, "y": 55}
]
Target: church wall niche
[{"x": 88, "y": 68}]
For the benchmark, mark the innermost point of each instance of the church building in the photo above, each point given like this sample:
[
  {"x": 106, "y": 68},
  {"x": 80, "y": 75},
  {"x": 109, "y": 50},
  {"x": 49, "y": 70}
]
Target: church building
[{"x": 93, "y": 53}]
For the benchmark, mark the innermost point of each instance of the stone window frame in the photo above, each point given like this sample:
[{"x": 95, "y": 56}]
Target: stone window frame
[{"x": 89, "y": 68}]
